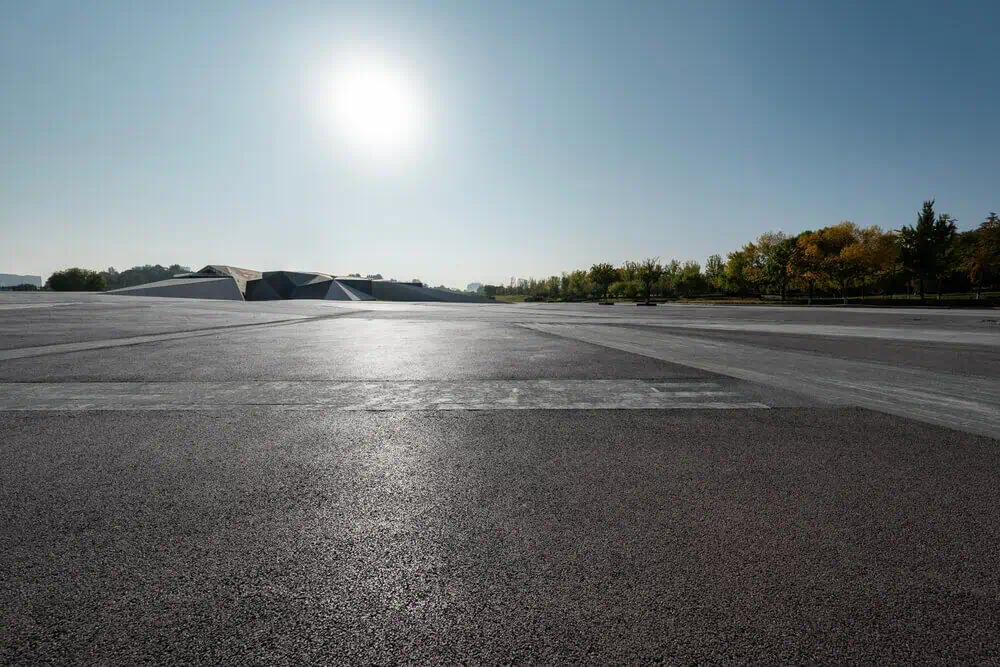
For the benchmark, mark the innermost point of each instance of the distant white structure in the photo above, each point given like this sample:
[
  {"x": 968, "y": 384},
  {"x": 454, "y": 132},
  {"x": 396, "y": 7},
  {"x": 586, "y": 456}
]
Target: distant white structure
[{"x": 13, "y": 280}]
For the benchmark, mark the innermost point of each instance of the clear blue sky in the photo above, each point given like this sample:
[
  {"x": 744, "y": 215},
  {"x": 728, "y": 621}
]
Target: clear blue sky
[{"x": 558, "y": 133}]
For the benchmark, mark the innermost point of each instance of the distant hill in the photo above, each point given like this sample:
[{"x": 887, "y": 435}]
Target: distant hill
[{"x": 12, "y": 280}]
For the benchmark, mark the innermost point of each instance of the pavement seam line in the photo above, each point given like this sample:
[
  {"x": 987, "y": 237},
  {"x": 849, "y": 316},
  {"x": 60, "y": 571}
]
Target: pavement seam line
[{"x": 86, "y": 346}]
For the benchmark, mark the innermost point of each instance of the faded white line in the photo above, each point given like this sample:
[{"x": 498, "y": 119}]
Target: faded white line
[
  {"x": 63, "y": 348},
  {"x": 965, "y": 403},
  {"x": 686, "y": 385},
  {"x": 404, "y": 396},
  {"x": 26, "y": 306},
  {"x": 989, "y": 337}
]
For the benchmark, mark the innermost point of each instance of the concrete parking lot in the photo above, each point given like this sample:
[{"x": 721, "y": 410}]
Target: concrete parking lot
[{"x": 376, "y": 482}]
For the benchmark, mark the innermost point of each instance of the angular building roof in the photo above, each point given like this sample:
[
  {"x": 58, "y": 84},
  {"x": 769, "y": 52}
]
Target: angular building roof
[
  {"x": 224, "y": 288},
  {"x": 221, "y": 281},
  {"x": 240, "y": 275}
]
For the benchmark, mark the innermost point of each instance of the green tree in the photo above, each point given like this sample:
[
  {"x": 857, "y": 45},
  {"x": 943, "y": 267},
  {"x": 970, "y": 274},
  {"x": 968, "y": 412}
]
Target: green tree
[
  {"x": 918, "y": 247},
  {"x": 553, "y": 284},
  {"x": 629, "y": 271},
  {"x": 112, "y": 278},
  {"x": 140, "y": 275},
  {"x": 982, "y": 260},
  {"x": 650, "y": 271},
  {"x": 715, "y": 272},
  {"x": 737, "y": 265},
  {"x": 775, "y": 251},
  {"x": 76, "y": 280},
  {"x": 753, "y": 269},
  {"x": 667, "y": 284},
  {"x": 602, "y": 275},
  {"x": 626, "y": 288},
  {"x": 945, "y": 234},
  {"x": 579, "y": 286},
  {"x": 690, "y": 279}
]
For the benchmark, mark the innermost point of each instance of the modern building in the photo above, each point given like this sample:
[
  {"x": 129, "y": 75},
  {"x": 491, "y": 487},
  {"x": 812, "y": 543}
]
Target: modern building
[{"x": 220, "y": 281}]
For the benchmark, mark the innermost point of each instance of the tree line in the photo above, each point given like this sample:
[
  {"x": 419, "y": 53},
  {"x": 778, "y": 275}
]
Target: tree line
[
  {"x": 140, "y": 275},
  {"x": 85, "y": 280},
  {"x": 841, "y": 260}
]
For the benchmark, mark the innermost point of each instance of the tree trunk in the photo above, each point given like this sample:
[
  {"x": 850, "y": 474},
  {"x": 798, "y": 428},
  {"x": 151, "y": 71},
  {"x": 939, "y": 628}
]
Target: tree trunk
[{"x": 921, "y": 287}]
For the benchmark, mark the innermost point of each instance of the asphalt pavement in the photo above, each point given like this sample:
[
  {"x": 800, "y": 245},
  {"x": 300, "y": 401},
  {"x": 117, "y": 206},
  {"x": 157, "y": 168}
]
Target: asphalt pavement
[{"x": 288, "y": 482}]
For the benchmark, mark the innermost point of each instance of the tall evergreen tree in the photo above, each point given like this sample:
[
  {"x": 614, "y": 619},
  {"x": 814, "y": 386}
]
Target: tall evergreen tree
[
  {"x": 918, "y": 247},
  {"x": 945, "y": 232}
]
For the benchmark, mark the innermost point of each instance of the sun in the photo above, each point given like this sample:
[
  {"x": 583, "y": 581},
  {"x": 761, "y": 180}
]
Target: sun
[{"x": 377, "y": 106}]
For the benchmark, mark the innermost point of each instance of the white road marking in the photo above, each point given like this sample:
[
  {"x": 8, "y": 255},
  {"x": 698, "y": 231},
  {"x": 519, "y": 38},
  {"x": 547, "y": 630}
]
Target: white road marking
[
  {"x": 403, "y": 396},
  {"x": 960, "y": 402},
  {"x": 63, "y": 348},
  {"x": 26, "y": 306},
  {"x": 991, "y": 338}
]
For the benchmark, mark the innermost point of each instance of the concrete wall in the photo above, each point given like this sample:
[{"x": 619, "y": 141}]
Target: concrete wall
[
  {"x": 352, "y": 293},
  {"x": 275, "y": 285},
  {"x": 362, "y": 285}
]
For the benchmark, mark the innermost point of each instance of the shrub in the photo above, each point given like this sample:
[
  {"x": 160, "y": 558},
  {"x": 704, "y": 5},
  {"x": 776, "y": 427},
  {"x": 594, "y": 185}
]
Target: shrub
[{"x": 76, "y": 280}]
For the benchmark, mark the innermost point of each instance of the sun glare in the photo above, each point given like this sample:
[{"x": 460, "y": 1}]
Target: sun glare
[{"x": 378, "y": 107}]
